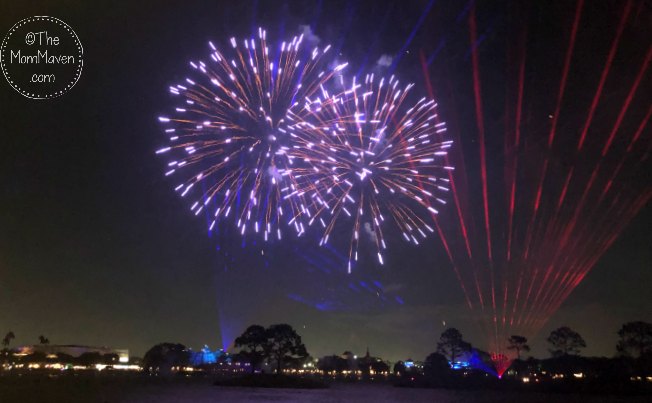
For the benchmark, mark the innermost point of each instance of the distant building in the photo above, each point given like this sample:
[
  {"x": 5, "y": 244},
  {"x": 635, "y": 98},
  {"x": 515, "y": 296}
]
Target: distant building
[
  {"x": 72, "y": 350},
  {"x": 409, "y": 367},
  {"x": 206, "y": 356},
  {"x": 370, "y": 365}
]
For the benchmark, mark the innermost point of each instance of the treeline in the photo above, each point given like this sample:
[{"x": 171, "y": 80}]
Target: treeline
[
  {"x": 279, "y": 347},
  {"x": 635, "y": 340},
  {"x": 10, "y": 336}
]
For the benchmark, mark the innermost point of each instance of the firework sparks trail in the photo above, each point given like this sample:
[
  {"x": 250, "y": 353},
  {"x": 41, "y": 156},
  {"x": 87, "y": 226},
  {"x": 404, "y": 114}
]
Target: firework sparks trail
[
  {"x": 224, "y": 141},
  {"x": 363, "y": 157}
]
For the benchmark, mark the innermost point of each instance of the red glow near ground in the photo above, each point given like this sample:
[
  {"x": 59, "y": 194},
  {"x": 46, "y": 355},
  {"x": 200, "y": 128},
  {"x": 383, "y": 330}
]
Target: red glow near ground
[{"x": 501, "y": 363}]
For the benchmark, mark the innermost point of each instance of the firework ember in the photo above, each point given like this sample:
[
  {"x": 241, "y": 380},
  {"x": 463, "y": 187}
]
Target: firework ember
[
  {"x": 224, "y": 140},
  {"x": 365, "y": 156}
]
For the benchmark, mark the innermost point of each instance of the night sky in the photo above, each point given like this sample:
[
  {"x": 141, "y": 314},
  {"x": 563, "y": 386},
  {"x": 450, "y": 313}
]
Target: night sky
[{"x": 97, "y": 249}]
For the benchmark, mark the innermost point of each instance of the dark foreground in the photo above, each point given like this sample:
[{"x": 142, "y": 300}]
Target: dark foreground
[{"x": 109, "y": 390}]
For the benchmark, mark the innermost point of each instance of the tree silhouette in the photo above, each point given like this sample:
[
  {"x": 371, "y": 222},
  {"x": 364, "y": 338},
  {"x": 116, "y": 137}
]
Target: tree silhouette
[
  {"x": 451, "y": 345},
  {"x": 5, "y": 343},
  {"x": 43, "y": 340},
  {"x": 518, "y": 343},
  {"x": 635, "y": 339},
  {"x": 89, "y": 358},
  {"x": 36, "y": 356},
  {"x": 332, "y": 363},
  {"x": 254, "y": 340},
  {"x": 110, "y": 358},
  {"x": 284, "y": 344},
  {"x": 162, "y": 357},
  {"x": 399, "y": 368},
  {"x": 7, "y": 339},
  {"x": 565, "y": 341},
  {"x": 435, "y": 365},
  {"x": 63, "y": 358}
]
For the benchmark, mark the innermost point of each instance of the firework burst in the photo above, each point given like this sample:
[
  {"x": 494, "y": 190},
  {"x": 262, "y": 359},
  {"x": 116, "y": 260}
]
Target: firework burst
[
  {"x": 224, "y": 138},
  {"x": 364, "y": 157}
]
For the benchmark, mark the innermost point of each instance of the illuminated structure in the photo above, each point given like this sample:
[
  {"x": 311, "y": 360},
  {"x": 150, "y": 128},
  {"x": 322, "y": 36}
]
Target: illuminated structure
[
  {"x": 71, "y": 350},
  {"x": 205, "y": 356}
]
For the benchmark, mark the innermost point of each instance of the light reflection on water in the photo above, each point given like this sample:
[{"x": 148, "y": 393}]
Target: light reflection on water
[{"x": 101, "y": 390}]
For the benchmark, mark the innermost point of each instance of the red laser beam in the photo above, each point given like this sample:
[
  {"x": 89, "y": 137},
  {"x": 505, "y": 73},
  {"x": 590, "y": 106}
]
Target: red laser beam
[
  {"x": 628, "y": 101},
  {"x": 605, "y": 73}
]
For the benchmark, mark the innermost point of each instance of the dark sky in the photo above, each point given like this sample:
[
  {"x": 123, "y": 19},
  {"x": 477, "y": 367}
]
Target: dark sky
[{"x": 96, "y": 248}]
